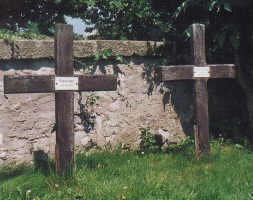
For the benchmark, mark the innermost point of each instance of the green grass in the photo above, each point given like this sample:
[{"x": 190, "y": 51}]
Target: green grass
[{"x": 175, "y": 175}]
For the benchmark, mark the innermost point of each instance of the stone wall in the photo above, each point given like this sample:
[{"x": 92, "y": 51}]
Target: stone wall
[{"x": 27, "y": 120}]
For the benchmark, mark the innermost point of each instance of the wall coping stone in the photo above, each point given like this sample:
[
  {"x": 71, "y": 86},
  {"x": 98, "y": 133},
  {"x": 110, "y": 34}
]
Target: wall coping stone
[{"x": 37, "y": 49}]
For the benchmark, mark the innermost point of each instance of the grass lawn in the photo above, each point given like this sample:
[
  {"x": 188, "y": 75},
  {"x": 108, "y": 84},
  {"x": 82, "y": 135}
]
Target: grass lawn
[{"x": 174, "y": 175}]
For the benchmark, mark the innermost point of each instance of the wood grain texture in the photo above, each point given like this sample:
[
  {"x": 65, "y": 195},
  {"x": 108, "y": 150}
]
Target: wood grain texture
[
  {"x": 202, "y": 118},
  {"x": 178, "y": 72},
  {"x": 64, "y": 101},
  {"x": 201, "y": 93},
  {"x": 222, "y": 71},
  {"x": 43, "y": 84},
  {"x": 97, "y": 82},
  {"x": 28, "y": 84},
  {"x": 198, "y": 45},
  {"x": 185, "y": 72}
]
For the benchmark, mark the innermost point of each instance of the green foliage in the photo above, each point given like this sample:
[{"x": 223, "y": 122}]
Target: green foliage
[
  {"x": 16, "y": 15},
  {"x": 105, "y": 55},
  {"x": 31, "y": 33},
  {"x": 208, "y": 5},
  {"x": 167, "y": 20},
  {"x": 217, "y": 15},
  {"x": 182, "y": 145},
  {"x": 148, "y": 141},
  {"x": 122, "y": 19},
  {"x": 92, "y": 100},
  {"x": 147, "y": 19}
]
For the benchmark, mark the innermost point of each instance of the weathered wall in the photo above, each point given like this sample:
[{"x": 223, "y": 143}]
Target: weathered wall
[{"x": 27, "y": 120}]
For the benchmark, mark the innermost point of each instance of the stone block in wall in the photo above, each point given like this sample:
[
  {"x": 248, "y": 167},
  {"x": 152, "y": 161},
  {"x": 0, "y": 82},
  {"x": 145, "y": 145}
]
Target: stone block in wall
[
  {"x": 84, "y": 48},
  {"x": 40, "y": 49},
  {"x": 5, "y": 50},
  {"x": 33, "y": 49}
]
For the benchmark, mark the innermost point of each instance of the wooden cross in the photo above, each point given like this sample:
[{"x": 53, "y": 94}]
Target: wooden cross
[
  {"x": 200, "y": 72},
  {"x": 63, "y": 84}
]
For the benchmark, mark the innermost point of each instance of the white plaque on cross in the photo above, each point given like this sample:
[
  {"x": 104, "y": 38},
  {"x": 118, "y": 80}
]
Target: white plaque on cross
[
  {"x": 66, "y": 83},
  {"x": 201, "y": 72}
]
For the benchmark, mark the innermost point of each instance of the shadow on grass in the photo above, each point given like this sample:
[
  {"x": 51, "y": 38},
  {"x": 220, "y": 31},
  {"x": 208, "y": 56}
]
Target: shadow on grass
[
  {"x": 12, "y": 171},
  {"x": 43, "y": 163}
]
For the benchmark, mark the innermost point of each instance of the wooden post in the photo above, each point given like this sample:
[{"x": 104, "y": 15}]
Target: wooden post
[
  {"x": 201, "y": 73},
  {"x": 201, "y": 92},
  {"x": 64, "y": 101},
  {"x": 63, "y": 84}
]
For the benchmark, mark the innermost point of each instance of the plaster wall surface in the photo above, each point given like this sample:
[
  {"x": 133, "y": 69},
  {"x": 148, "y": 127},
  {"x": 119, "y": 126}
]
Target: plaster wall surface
[{"x": 27, "y": 120}]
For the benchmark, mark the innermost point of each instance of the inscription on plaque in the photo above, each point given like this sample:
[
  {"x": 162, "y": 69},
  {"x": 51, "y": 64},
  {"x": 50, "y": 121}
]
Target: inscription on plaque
[
  {"x": 66, "y": 83},
  {"x": 201, "y": 72}
]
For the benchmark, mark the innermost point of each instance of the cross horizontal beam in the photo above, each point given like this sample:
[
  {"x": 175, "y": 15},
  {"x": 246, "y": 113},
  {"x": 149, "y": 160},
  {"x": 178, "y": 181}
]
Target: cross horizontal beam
[
  {"x": 46, "y": 83},
  {"x": 184, "y": 72}
]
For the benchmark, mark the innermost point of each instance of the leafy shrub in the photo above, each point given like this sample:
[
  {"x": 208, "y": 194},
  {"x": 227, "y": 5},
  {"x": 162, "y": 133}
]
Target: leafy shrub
[{"x": 148, "y": 141}]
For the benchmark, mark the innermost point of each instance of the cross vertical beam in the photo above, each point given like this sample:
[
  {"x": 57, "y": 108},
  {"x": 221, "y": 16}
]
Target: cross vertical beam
[
  {"x": 201, "y": 92},
  {"x": 64, "y": 101},
  {"x": 201, "y": 72},
  {"x": 63, "y": 84}
]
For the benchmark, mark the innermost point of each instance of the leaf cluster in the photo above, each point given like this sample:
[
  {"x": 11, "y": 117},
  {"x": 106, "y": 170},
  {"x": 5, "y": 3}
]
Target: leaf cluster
[
  {"x": 165, "y": 20},
  {"x": 127, "y": 19},
  {"x": 30, "y": 33},
  {"x": 148, "y": 141},
  {"x": 16, "y": 15}
]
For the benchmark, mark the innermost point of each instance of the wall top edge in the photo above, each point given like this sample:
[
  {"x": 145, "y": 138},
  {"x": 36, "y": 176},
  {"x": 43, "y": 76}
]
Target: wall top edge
[{"x": 36, "y": 49}]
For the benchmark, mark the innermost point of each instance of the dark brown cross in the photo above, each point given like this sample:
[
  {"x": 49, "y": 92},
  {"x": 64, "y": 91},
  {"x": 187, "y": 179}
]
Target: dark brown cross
[
  {"x": 63, "y": 84},
  {"x": 200, "y": 72}
]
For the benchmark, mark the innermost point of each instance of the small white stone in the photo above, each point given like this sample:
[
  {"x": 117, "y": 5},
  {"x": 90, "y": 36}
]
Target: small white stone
[
  {"x": 85, "y": 141},
  {"x": 1, "y": 87},
  {"x": 163, "y": 132},
  {"x": 1, "y": 139},
  {"x": 3, "y": 155}
]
